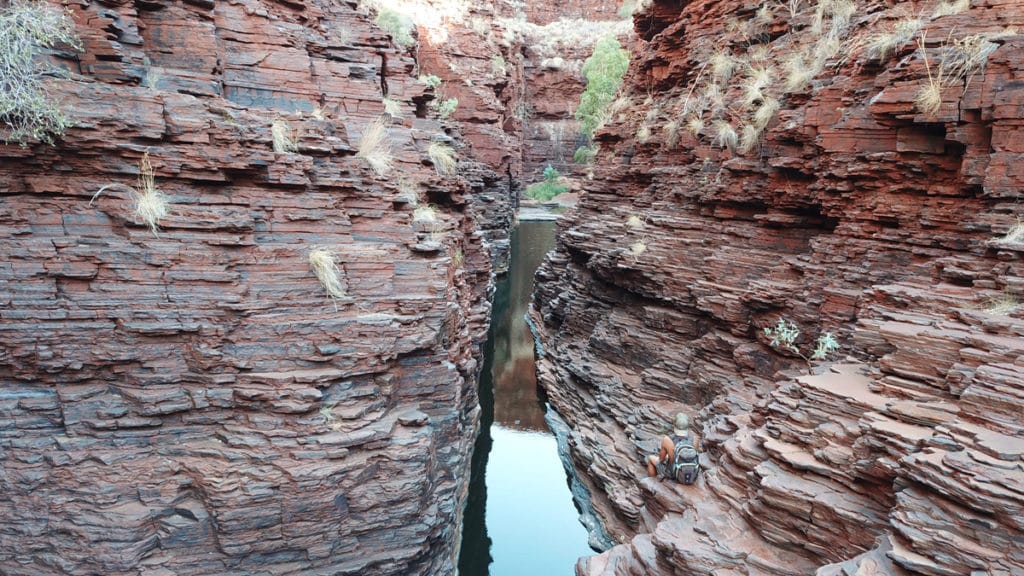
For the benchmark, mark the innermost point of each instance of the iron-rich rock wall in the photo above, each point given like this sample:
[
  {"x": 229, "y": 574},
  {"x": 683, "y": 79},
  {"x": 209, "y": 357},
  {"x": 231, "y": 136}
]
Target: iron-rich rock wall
[
  {"x": 854, "y": 213},
  {"x": 191, "y": 401}
]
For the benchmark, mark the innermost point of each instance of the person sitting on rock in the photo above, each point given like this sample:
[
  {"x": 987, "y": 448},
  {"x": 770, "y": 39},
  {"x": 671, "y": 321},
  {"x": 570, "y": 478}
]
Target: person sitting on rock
[{"x": 677, "y": 457}]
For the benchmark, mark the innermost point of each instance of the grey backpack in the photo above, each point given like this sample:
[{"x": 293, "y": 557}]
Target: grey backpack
[{"x": 685, "y": 464}]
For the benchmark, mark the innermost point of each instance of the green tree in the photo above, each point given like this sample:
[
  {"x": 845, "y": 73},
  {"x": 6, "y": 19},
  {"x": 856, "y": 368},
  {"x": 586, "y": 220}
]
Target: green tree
[
  {"x": 604, "y": 71},
  {"x": 549, "y": 188}
]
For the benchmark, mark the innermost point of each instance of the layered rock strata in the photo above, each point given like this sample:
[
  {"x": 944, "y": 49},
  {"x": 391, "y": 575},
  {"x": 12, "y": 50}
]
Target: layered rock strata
[
  {"x": 853, "y": 212},
  {"x": 188, "y": 400}
]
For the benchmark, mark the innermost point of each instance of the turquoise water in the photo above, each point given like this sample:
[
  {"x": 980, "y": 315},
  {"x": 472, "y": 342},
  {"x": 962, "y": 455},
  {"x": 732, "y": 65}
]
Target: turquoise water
[{"x": 520, "y": 518}]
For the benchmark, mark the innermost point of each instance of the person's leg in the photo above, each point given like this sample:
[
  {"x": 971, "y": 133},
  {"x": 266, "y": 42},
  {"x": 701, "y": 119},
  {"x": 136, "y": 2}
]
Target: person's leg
[{"x": 652, "y": 465}]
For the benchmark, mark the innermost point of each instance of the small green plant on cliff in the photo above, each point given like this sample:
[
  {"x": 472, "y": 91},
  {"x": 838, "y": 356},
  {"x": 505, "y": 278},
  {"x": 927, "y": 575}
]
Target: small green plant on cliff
[
  {"x": 398, "y": 25},
  {"x": 375, "y": 147},
  {"x": 430, "y": 80},
  {"x": 499, "y": 68},
  {"x": 445, "y": 108},
  {"x": 604, "y": 71},
  {"x": 150, "y": 203},
  {"x": 549, "y": 188},
  {"x": 785, "y": 334},
  {"x": 630, "y": 7},
  {"x": 585, "y": 154},
  {"x": 322, "y": 262},
  {"x": 27, "y": 111}
]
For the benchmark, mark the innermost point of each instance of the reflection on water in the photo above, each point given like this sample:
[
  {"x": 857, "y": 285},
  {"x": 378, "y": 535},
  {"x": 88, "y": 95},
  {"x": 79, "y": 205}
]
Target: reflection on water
[
  {"x": 516, "y": 404},
  {"x": 520, "y": 518}
]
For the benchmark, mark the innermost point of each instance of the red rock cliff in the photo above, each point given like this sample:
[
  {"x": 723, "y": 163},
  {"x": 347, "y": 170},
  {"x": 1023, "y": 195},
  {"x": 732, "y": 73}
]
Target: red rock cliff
[
  {"x": 191, "y": 401},
  {"x": 849, "y": 209}
]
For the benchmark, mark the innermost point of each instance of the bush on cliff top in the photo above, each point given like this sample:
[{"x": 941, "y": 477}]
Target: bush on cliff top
[
  {"x": 604, "y": 71},
  {"x": 26, "y": 109},
  {"x": 398, "y": 25}
]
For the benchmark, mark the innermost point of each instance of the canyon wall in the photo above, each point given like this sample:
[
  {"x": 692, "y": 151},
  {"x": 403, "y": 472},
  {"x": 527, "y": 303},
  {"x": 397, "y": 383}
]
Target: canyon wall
[
  {"x": 851, "y": 211},
  {"x": 189, "y": 400}
]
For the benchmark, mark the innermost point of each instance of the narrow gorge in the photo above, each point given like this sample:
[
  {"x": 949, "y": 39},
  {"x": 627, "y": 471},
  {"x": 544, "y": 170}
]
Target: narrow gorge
[{"x": 248, "y": 251}]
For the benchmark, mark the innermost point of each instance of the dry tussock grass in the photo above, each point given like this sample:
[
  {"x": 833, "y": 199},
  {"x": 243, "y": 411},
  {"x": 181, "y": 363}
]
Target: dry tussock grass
[
  {"x": 722, "y": 66},
  {"x": 637, "y": 249},
  {"x": 392, "y": 107},
  {"x": 765, "y": 113},
  {"x": 1002, "y": 304},
  {"x": 945, "y": 8},
  {"x": 323, "y": 264},
  {"x": 151, "y": 205},
  {"x": 725, "y": 135},
  {"x": 408, "y": 191},
  {"x": 882, "y": 44},
  {"x": 672, "y": 133},
  {"x": 1015, "y": 235},
  {"x": 750, "y": 137},
  {"x": 443, "y": 157},
  {"x": 375, "y": 147},
  {"x": 283, "y": 136},
  {"x": 695, "y": 125}
]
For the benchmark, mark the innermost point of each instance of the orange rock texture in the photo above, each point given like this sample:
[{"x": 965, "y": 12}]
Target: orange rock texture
[
  {"x": 189, "y": 400},
  {"x": 843, "y": 206}
]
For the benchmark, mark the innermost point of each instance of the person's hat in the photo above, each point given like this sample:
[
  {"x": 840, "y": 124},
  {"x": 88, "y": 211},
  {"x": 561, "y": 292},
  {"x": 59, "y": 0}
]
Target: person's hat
[{"x": 682, "y": 424}]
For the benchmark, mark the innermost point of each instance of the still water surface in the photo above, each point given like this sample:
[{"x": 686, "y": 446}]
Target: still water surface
[{"x": 520, "y": 519}]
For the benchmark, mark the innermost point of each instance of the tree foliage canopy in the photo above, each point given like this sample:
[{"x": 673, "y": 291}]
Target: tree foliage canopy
[{"x": 604, "y": 71}]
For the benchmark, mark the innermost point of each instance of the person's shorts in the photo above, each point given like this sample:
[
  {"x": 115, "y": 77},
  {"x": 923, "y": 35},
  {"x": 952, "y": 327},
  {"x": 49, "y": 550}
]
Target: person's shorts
[{"x": 664, "y": 470}]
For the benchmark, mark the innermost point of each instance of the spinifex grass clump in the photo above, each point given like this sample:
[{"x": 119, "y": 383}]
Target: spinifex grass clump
[
  {"x": 322, "y": 262},
  {"x": 443, "y": 157},
  {"x": 1002, "y": 304},
  {"x": 428, "y": 219},
  {"x": 883, "y": 44},
  {"x": 960, "y": 59},
  {"x": 283, "y": 137},
  {"x": 27, "y": 111},
  {"x": 392, "y": 107},
  {"x": 637, "y": 249},
  {"x": 425, "y": 213},
  {"x": 150, "y": 203},
  {"x": 1015, "y": 235},
  {"x": 375, "y": 146}
]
